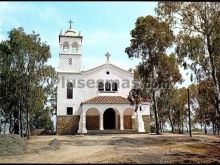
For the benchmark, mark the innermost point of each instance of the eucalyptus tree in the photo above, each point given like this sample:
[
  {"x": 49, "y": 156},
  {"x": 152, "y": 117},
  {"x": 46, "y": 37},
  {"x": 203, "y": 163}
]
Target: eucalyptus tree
[
  {"x": 24, "y": 74},
  {"x": 198, "y": 39},
  {"x": 150, "y": 39},
  {"x": 205, "y": 113}
]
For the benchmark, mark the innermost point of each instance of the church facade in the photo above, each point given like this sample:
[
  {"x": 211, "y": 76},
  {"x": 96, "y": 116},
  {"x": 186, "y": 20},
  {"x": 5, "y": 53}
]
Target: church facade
[{"x": 95, "y": 99}]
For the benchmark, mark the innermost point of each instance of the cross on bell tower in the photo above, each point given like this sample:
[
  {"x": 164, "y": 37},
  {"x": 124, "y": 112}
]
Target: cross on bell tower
[
  {"x": 70, "y": 22},
  {"x": 107, "y": 56}
]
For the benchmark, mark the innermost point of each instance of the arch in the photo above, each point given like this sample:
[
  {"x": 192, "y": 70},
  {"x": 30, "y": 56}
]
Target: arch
[
  {"x": 65, "y": 46},
  {"x": 92, "y": 112},
  {"x": 114, "y": 86},
  {"x": 74, "y": 47},
  {"x": 107, "y": 86},
  {"x": 128, "y": 113},
  {"x": 69, "y": 90},
  {"x": 117, "y": 112},
  {"x": 100, "y": 86},
  {"x": 92, "y": 119},
  {"x": 109, "y": 119}
]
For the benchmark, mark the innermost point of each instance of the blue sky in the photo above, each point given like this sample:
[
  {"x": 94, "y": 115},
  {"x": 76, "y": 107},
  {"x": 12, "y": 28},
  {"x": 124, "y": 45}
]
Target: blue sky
[{"x": 105, "y": 26}]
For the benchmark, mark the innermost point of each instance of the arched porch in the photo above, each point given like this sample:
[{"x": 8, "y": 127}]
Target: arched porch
[
  {"x": 103, "y": 114},
  {"x": 129, "y": 118},
  {"x": 92, "y": 119},
  {"x": 111, "y": 118}
]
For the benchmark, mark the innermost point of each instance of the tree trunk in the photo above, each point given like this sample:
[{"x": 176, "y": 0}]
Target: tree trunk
[
  {"x": 182, "y": 127},
  {"x": 10, "y": 123},
  {"x": 179, "y": 127},
  {"x": 160, "y": 127},
  {"x": 217, "y": 124},
  {"x": 155, "y": 113},
  {"x": 27, "y": 131},
  {"x": 215, "y": 81},
  {"x": 155, "y": 105},
  {"x": 205, "y": 129},
  {"x": 20, "y": 122},
  {"x": 201, "y": 126},
  {"x": 171, "y": 124},
  {"x": 187, "y": 130},
  {"x": 189, "y": 116},
  {"x": 4, "y": 127},
  {"x": 218, "y": 129},
  {"x": 0, "y": 125},
  {"x": 213, "y": 128}
]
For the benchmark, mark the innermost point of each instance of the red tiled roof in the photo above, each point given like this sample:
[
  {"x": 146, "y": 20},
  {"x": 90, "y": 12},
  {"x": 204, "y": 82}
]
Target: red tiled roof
[{"x": 106, "y": 100}]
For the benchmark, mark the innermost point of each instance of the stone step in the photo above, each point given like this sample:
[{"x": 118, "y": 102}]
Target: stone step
[{"x": 92, "y": 132}]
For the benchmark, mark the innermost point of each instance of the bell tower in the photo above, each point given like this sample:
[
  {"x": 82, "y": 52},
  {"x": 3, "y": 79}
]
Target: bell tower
[{"x": 70, "y": 50}]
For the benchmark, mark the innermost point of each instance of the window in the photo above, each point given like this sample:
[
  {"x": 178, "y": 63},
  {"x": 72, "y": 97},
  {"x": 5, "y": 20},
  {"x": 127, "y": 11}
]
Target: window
[
  {"x": 75, "y": 47},
  {"x": 114, "y": 86},
  {"x": 70, "y": 61},
  {"x": 101, "y": 86},
  {"x": 65, "y": 46},
  {"x": 69, "y": 90},
  {"x": 111, "y": 87},
  {"x": 69, "y": 110},
  {"x": 107, "y": 86}
]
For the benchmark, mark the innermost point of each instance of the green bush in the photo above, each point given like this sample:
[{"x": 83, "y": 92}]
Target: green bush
[{"x": 196, "y": 130}]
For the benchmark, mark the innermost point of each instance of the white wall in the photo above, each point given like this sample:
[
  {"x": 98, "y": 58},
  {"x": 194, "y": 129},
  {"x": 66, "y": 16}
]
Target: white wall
[
  {"x": 82, "y": 94},
  {"x": 145, "y": 110},
  {"x": 76, "y": 63},
  {"x": 66, "y": 55}
]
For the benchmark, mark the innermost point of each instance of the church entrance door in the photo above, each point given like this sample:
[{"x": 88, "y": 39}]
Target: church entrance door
[{"x": 109, "y": 119}]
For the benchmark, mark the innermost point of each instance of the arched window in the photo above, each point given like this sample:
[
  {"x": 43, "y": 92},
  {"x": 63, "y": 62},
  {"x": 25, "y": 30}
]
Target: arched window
[
  {"x": 65, "y": 46},
  {"x": 107, "y": 86},
  {"x": 74, "y": 47},
  {"x": 114, "y": 86},
  {"x": 69, "y": 90},
  {"x": 101, "y": 86},
  {"x": 70, "y": 61}
]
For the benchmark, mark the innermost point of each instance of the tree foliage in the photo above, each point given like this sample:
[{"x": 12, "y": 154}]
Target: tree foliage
[
  {"x": 198, "y": 39},
  {"x": 26, "y": 80},
  {"x": 150, "y": 39}
]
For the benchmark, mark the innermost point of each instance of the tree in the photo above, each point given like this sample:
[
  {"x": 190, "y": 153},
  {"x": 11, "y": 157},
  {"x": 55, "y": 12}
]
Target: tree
[
  {"x": 24, "y": 76},
  {"x": 177, "y": 102},
  {"x": 198, "y": 39},
  {"x": 150, "y": 39},
  {"x": 41, "y": 119},
  {"x": 205, "y": 113}
]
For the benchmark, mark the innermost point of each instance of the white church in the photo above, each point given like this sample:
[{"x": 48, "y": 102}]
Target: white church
[{"x": 95, "y": 99}]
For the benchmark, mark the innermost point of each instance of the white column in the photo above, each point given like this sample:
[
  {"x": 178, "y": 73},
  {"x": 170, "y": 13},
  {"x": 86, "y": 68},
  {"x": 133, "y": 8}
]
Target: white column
[
  {"x": 101, "y": 122},
  {"x": 121, "y": 122},
  {"x": 82, "y": 123},
  {"x": 139, "y": 121}
]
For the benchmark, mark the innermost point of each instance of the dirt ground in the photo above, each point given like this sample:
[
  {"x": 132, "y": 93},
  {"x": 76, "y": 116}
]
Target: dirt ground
[{"x": 120, "y": 148}]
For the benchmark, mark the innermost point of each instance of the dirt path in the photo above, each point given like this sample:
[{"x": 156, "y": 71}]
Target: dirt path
[{"x": 120, "y": 148}]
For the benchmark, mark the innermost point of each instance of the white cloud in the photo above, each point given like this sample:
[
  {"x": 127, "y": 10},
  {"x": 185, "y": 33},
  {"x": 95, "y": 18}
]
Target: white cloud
[
  {"x": 89, "y": 62},
  {"x": 98, "y": 37},
  {"x": 102, "y": 41},
  {"x": 49, "y": 13},
  {"x": 11, "y": 7},
  {"x": 95, "y": 38},
  {"x": 125, "y": 65},
  {"x": 2, "y": 37}
]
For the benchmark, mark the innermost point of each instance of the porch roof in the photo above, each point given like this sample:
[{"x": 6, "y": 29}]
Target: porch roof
[{"x": 106, "y": 100}]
